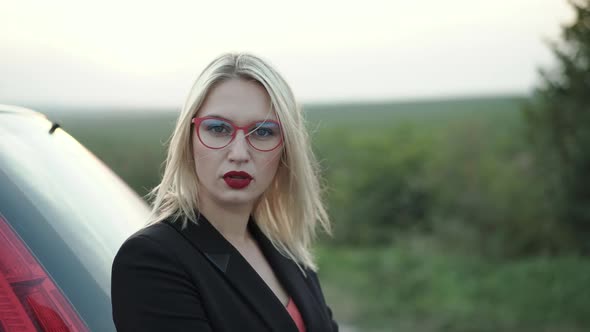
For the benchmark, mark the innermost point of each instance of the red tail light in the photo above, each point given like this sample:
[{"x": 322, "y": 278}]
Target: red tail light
[{"x": 29, "y": 300}]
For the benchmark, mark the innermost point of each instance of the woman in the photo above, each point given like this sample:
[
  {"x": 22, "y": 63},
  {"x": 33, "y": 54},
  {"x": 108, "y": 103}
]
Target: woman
[{"x": 228, "y": 245}]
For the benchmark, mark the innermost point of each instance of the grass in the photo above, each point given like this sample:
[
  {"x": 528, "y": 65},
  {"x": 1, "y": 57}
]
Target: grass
[{"x": 435, "y": 291}]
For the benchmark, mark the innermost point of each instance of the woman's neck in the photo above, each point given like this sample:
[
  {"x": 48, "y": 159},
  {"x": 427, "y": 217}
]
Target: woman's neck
[{"x": 229, "y": 220}]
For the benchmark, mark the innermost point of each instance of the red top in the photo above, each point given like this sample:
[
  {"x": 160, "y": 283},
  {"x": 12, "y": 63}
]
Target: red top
[{"x": 296, "y": 315}]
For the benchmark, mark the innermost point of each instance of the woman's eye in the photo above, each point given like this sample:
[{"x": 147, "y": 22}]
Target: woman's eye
[
  {"x": 263, "y": 132},
  {"x": 217, "y": 129}
]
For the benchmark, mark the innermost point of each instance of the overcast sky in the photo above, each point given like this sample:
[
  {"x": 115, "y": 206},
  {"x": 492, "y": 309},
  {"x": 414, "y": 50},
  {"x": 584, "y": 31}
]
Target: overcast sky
[{"x": 145, "y": 54}]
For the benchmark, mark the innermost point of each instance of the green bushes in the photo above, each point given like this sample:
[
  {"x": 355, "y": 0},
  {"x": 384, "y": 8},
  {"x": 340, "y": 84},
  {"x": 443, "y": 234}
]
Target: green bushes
[
  {"x": 376, "y": 182},
  {"x": 464, "y": 176},
  {"x": 429, "y": 290}
]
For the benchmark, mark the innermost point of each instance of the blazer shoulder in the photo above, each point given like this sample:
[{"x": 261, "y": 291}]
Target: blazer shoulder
[
  {"x": 160, "y": 232},
  {"x": 151, "y": 289},
  {"x": 159, "y": 237}
]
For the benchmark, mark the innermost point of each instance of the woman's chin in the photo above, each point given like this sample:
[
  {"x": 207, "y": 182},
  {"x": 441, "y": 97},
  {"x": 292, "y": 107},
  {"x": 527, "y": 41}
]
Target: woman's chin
[{"x": 238, "y": 198}]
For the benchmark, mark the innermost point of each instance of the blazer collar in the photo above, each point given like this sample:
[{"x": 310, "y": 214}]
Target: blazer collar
[{"x": 226, "y": 258}]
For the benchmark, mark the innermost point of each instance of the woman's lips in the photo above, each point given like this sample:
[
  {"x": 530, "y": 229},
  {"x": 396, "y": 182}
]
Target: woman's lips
[{"x": 237, "y": 180}]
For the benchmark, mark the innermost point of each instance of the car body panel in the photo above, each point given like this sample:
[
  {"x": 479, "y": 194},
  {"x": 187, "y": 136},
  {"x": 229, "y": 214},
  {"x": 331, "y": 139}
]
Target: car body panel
[{"x": 69, "y": 208}]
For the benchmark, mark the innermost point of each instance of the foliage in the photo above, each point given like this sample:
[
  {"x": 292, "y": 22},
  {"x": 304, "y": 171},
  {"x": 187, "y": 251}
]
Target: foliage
[
  {"x": 559, "y": 124},
  {"x": 416, "y": 287},
  {"x": 460, "y": 171},
  {"x": 375, "y": 183}
]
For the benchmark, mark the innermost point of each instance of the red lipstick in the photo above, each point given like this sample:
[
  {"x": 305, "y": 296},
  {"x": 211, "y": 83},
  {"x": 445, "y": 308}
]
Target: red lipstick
[{"x": 237, "y": 180}]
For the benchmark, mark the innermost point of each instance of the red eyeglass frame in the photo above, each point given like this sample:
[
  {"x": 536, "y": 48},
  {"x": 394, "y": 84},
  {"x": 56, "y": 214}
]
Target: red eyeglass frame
[{"x": 197, "y": 122}]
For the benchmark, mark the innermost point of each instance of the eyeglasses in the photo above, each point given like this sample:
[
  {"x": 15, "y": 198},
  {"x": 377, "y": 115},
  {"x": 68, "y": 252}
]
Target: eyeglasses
[{"x": 217, "y": 133}]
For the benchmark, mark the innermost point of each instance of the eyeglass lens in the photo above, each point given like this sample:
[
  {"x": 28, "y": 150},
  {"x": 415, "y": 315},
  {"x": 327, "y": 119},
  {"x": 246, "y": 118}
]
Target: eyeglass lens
[{"x": 217, "y": 133}]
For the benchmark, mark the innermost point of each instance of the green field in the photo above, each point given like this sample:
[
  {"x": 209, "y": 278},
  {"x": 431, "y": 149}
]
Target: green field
[
  {"x": 404, "y": 288},
  {"x": 440, "y": 221},
  {"x": 132, "y": 142}
]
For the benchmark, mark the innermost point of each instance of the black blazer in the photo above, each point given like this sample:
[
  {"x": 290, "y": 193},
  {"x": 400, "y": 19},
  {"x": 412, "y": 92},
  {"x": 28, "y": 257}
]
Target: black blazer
[{"x": 166, "y": 278}]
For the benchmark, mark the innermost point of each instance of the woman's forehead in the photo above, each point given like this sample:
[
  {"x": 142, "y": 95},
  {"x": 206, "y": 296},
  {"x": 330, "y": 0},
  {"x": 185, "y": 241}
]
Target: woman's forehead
[{"x": 238, "y": 100}]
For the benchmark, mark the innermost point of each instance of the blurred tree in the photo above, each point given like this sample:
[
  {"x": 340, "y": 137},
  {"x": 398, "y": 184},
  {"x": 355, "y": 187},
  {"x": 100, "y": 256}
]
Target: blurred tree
[{"x": 559, "y": 123}]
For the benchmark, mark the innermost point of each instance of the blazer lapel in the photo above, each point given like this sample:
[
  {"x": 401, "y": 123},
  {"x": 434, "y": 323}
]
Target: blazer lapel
[
  {"x": 238, "y": 272},
  {"x": 296, "y": 284}
]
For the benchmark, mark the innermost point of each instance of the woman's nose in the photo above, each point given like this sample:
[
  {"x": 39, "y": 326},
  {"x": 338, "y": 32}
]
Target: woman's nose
[{"x": 239, "y": 148}]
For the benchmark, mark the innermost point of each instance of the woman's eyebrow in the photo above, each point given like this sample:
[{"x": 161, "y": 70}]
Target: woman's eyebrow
[
  {"x": 230, "y": 120},
  {"x": 218, "y": 116}
]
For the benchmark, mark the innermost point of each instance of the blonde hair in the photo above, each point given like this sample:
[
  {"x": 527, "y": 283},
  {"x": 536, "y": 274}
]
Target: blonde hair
[{"x": 291, "y": 207}]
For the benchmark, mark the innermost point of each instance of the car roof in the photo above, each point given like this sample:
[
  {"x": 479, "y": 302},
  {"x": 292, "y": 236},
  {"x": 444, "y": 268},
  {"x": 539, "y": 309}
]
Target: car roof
[{"x": 11, "y": 109}]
